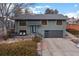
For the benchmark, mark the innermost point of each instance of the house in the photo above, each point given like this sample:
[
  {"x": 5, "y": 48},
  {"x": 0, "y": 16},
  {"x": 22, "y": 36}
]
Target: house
[
  {"x": 72, "y": 21},
  {"x": 48, "y": 25},
  {"x": 77, "y": 21}
]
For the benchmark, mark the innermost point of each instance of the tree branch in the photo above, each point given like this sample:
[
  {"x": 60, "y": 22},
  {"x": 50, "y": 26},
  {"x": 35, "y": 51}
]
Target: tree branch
[{"x": 7, "y": 11}]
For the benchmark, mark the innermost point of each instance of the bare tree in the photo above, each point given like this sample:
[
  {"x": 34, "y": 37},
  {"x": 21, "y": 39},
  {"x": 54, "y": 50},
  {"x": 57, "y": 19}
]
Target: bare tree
[
  {"x": 56, "y": 11},
  {"x": 51, "y": 11},
  {"x": 47, "y": 11},
  {"x": 7, "y": 10}
]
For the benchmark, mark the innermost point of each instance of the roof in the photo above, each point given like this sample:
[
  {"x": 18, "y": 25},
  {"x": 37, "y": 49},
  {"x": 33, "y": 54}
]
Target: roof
[{"x": 40, "y": 16}]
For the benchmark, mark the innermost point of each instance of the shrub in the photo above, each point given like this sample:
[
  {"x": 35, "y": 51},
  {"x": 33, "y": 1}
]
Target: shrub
[
  {"x": 21, "y": 48},
  {"x": 5, "y": 37},
  {"x": 37, "y": 39},
  {"x": 9, "y": 33}
]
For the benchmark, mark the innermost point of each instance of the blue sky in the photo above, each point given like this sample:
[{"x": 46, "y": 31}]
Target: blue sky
[{"x": 70, "y": 9}]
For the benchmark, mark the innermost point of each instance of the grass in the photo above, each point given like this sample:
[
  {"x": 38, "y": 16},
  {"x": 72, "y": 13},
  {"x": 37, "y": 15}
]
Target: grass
[{"x": 21, "y": 48}]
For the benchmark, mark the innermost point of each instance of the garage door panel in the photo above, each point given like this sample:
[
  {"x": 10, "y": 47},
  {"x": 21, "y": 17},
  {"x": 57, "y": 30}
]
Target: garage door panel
[{"x": 53, "y": 33}]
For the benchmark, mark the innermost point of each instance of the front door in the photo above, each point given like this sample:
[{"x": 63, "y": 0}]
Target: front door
[{"x": 33, "y": 28}]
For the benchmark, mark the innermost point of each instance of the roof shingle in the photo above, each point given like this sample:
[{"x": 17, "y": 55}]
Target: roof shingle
[{"x": 40, "y": 16}]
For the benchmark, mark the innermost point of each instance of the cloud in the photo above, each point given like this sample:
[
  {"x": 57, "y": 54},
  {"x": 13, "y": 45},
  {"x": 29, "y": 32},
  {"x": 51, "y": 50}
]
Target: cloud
[
  {"x": 46, "y": 6},
  {"x": 75, "y": 5},
  {"x": 39, "y": 9},
  {"x": 73, "y": 14},
  {"x": 36, "y": 12},
  {"x": 38, "y": 6},
  {"x": 77, "y": 12},
  {"x": 43, "y": 7}
]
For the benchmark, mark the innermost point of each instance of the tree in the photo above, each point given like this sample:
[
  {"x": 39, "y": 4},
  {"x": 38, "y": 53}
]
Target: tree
[
  {"x": 51, "y": 11},
  {"x": 47, "y": 11},
  {"x": 28, "y": 11},
  {"x": 18, "y": 11},
  {"x": 55, "y": 11},
  {"x": 7, "y": 10}
]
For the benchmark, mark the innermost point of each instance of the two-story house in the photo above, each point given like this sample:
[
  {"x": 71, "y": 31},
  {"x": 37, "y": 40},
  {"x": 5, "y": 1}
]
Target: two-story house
[{"x": 48, "y": 25}]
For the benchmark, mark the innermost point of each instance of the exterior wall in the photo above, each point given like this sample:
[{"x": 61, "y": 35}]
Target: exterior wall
[
  {"x": 29, "y": 23},
  {"x": 18, "y": 28},
  {"x": 51, "y": 25}
]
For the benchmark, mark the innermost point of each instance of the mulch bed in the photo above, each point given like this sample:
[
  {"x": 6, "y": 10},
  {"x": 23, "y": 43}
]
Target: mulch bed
[{"x": 73, "y": 26}]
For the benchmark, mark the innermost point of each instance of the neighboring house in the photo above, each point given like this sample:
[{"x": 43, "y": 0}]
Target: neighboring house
[
  {"x": 48, "y": 25},
  {"x": 78, "y": 21},
  {"x": 72, "y": 21}
]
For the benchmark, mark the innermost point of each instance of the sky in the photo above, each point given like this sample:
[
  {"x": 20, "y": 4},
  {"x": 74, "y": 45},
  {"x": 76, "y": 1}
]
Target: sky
[{"x": 69, "y": 9}]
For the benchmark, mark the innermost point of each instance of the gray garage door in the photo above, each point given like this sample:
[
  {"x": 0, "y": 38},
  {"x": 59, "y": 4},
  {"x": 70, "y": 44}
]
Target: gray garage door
[{"x": 53, "y": 33}]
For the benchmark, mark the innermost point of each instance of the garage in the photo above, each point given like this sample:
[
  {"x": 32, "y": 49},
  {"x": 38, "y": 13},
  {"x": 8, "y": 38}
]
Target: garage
[{"x": 53, "y": 33}]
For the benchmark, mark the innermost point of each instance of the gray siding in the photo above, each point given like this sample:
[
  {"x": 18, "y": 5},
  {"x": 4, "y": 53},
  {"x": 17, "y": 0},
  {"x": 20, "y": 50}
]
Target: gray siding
[
  {"x": 33, "y": 23},
  {"x": 18, "y": 28},
  {"x": 29, "y": 23},
  {"x": 50, "y": 26}
]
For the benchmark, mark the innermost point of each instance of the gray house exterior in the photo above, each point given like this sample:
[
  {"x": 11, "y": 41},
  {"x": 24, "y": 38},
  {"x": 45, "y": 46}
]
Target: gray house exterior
[{"x": 48, "y": 25}]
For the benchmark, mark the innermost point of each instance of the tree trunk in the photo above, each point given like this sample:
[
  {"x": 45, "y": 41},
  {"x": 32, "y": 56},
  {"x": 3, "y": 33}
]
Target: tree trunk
[
  {"x": 5, "y": 30},
  {"x": 5, "y": 26}
]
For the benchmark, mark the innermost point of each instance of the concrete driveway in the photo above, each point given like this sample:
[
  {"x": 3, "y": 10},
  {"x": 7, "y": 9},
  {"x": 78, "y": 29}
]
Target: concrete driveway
[{"x": 59, "y": 47}]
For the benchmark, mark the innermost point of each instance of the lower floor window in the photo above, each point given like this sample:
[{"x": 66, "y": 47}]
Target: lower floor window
[{"x": 22, "y": 32}]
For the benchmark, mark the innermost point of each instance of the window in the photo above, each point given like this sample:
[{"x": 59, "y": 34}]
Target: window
[
  {"x": 33, "y": 28},
  {"x": 22, "y": 32},
  {"x": 44, "y": 22},
  {"x": 59, "y": 22},
  {"x": 22, "y": 23}
]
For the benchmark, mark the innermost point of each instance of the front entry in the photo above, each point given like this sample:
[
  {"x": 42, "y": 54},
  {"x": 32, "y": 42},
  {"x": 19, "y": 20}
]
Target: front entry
[{"x": 33, "y": 28}]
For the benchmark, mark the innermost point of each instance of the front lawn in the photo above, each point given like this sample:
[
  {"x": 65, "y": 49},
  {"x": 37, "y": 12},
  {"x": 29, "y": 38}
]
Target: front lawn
[{"x": 21, "y": 48}]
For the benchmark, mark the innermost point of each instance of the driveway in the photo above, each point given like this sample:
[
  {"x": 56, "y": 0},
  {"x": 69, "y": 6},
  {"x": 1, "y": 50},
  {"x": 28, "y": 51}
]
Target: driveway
[{"x": 59, "y": 47}]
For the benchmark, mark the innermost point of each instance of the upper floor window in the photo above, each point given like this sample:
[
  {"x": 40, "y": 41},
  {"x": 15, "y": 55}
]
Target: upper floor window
[
  {"x": 44, "y": 22},
  {"x": 22, "y": 23},
  {"x": 59, "y": 22}
]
